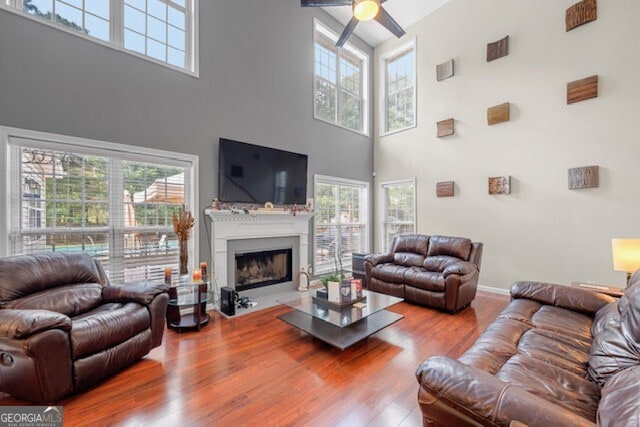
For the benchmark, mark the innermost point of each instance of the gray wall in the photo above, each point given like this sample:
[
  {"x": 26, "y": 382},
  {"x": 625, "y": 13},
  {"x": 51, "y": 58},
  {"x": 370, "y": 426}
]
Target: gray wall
[{"x": 255, "y": 85}]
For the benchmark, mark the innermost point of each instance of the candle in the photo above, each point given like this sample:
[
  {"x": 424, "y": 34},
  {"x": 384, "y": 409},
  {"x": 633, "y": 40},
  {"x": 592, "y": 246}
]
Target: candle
[
  {"x": 167, "y": 275},
  {"x": 203, "y": 267},
  {"x": 197, "y": 275}
]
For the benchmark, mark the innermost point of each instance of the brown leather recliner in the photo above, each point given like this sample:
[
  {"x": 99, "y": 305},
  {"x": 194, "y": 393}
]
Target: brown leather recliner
[
  {"x": 437, "y": 271},
  {"x": 64, "y": 327},
  {"x": 556, "y": 356}
]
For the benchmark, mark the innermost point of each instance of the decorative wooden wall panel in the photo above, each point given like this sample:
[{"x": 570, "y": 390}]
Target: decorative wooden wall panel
[
  {"x": 581, "y": 13},
  {"x": 445, "y": 128},
  {"x": 498, "y": 49},
  {"x": 500, "y": 185},
  {"x": 444, "y": 189},
  {"x": 444, "y": 71},
  {"x": 584, "y": 177},
  {"x": 498, "y": 114},
  {"x": 583, "y": 89}
]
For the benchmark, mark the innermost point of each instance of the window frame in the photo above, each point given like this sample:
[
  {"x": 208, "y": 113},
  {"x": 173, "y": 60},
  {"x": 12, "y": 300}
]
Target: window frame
[
  {"x": 383, "y": 82},
  {"x": 383, "y": 186},
  {"x": 365, "y": 80},
  {"x": 116, "y": 33},
  {"x": 121, "y": 152},
  {"x": 364, "y": 206}
]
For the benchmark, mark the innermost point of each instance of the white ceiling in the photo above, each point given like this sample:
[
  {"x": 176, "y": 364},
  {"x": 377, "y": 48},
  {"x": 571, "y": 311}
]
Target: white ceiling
[{"x": 405, "y": 12}]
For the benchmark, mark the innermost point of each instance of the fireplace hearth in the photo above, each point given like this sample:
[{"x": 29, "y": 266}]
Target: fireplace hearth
[{"x": 262, "y": 268}]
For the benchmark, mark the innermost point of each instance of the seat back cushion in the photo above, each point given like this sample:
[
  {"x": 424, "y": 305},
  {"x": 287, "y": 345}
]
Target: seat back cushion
[
  {"x": 28, "y": 274},
  {"x": 620, "y": 400},
  {"x": 410, "y": 250},
  {"x": 69, "y": 300},
  {"x": 458, "y": 247},
  {"x": 616, "y": 340},
  {"x": 439, "y": 262}
]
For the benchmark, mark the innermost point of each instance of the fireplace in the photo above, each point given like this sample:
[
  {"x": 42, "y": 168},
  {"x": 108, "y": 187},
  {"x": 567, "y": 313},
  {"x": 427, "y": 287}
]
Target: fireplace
[{"x": 262, "y": 268}]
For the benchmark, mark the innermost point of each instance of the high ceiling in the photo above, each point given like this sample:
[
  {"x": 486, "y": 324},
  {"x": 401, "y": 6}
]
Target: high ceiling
[{"x": 406, "y": 12}]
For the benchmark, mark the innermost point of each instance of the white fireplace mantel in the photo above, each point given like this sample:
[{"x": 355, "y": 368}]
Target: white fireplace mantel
[{"x": 227, "y": 225}]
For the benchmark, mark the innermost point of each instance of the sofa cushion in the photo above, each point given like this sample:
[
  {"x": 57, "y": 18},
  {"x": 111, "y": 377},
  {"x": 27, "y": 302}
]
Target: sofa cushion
[
  {"x": 408, "y": 259},
  {"x": 439, "y": 262},
  {"x": 107, "y": 326},
  {"x": 421, "y": 278},
  {"x": 70, "y": 300},
  {"x": 620, "y": 400},
  {"x": 24, "y": 275},
  {"x": 458, "y": 247},
  {"x": 391, "y": 273},
  {"x": 416, "y": 243}
]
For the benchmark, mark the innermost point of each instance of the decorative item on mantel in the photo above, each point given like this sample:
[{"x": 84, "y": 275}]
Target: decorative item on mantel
[
  {"x": 302, "y": 280},
  {"x": 500, "y": 185},
  {"x": 580, "y": 14},
  {"x": 183, "y": 222}
]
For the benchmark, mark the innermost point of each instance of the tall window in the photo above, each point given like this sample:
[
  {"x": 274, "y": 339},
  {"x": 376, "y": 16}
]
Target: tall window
[
  {"x": 109, "y": 203},
  {"x": 160, "y": 29},
  {"x": 399, "y": 102},
  {"x": 399, "y": 210},
  {"x": 340, "y": 222},
  {"x": 341, "y": 82}
]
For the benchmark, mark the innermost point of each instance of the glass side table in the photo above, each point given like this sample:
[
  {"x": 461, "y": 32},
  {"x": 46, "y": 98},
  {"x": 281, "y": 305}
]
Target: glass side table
[{"x": 188, "y": 295}]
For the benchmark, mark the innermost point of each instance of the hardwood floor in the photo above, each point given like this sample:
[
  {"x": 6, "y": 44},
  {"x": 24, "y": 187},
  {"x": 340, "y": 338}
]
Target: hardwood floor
[{"x": 257, "y": 370}]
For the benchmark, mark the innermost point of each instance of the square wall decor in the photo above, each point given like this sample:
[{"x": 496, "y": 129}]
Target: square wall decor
[
  {"x": 445, "y": 128},
  {"x": 580, "y": 14},
  {"x": 583, "y": 89},
  {"x": 444, "y": 71},
  {"x": 500, "y": 185},
  {"x": 583, "y": 177},
  {"x": 498, "y": 114},
  {"x": 444, "y": 189},
  {"x": 498, "y": 49}
]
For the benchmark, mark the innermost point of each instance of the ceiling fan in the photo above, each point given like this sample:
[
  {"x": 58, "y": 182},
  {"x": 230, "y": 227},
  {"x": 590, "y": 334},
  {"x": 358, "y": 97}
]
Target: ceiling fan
[{"x": 363, "y": 10}]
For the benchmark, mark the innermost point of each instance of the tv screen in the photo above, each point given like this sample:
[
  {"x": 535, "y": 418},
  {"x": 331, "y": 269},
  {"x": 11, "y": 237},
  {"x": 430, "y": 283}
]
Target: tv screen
[{"x": 254, "y": 174}]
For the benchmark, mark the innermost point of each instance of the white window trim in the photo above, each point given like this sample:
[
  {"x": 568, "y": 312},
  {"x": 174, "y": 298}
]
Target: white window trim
[
  {"x": 365, "y": 82},
  {"x": 326, "y": 179},
  {"x": 116, "y": 34},
  {"x": 382, "y": 208},
  {"x": 100, "y": 148},
  {"x": 382, "y": 81}
]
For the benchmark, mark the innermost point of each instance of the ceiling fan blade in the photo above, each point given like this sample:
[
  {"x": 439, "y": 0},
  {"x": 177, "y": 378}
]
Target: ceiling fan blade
[
  {"x": 389, "y": 23},
  {"x": 347, "y": 31},
  {"x": 323, "y": 3}
]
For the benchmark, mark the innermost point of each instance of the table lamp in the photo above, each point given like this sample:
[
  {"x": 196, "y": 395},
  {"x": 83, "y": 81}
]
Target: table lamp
[{"x": 626, "y": 255}]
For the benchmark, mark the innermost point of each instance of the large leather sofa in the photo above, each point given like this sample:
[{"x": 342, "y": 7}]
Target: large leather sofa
[
  {"x": 64, "y": 327},
  {"x": 556, "y": 356},
  {"x": 437, "y": 271}
]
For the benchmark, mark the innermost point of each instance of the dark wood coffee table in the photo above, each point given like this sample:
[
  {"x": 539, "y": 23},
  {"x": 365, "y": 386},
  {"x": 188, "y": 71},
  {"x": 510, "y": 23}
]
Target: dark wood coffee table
[{"x": 344, "y": 327}]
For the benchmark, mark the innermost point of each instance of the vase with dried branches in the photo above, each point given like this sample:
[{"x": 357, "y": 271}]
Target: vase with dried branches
[{"x": 183, "y": 222}]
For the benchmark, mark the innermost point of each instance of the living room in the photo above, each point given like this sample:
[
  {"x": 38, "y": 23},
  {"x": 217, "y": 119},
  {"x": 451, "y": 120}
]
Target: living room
[{"x": 543, "y": 182}]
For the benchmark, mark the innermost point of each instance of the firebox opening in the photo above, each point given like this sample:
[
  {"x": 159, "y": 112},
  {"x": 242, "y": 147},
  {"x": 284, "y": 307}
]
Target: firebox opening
[{"x": 264, "y": 268}]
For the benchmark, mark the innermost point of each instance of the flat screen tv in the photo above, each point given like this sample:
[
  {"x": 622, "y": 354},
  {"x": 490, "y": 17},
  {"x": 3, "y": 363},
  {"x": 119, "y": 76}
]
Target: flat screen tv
[{"x": 254, "y": 174}]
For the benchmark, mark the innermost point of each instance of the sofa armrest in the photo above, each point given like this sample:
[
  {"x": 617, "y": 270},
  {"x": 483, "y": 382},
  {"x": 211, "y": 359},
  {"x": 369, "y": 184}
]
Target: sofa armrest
[
  {"x": 375, "y": 259},
  {"x": 475, "y": 394},
  {"x": 460, "y": 268},
  {"x": 142, "y": 293},
  {"x": 20, "y": 324},
  {"x": 579, "y": 300}
]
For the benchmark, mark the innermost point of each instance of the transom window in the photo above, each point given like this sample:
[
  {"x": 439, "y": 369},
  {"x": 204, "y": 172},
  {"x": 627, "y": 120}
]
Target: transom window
[
  {"x": 160, "y": 29},
  {"x": 117, "y": 206},
  {"x": 399, "y": 210},
  {"x": 341, "y": 82},
  {"x": 399, "y": 88},
  {"x": 340, "y": 222}
]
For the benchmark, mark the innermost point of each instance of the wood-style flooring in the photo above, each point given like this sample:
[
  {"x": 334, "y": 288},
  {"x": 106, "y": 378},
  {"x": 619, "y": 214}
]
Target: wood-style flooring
[{"x": 256, "y": 370}]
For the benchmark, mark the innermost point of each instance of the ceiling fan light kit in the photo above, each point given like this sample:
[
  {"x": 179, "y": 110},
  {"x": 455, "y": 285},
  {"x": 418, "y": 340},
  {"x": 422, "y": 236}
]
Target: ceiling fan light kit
[{"x": 365, "y": 10}]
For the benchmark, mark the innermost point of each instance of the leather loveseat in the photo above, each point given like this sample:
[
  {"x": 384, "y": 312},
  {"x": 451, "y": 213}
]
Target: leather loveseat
[
  {"x": 556, "y": 356},
  {"x": 64, "y": 327},
  {"x": 438, "y": 271}
]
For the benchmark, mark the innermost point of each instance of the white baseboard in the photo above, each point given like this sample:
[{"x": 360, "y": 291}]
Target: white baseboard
[{"x": 494, "y": 290}]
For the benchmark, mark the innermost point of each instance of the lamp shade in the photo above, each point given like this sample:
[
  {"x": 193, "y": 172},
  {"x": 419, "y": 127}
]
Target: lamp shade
[
  {"x": 626, "y": 254},
  {"x": 365, "y": 10}
]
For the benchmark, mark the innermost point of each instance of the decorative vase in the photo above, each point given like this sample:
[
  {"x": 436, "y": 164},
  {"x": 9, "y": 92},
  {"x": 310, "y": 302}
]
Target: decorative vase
[{"x": 184, "y": 256}]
